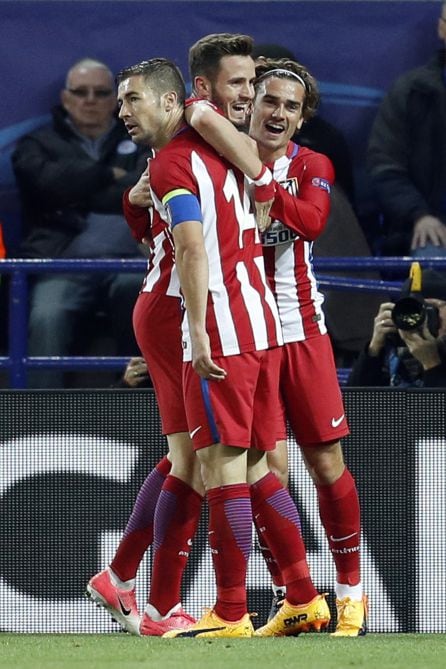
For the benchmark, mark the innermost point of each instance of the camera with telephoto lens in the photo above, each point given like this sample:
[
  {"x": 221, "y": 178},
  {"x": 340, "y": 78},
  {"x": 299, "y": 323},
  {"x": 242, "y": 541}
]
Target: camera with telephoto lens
[{"x": 409, "y": 313}]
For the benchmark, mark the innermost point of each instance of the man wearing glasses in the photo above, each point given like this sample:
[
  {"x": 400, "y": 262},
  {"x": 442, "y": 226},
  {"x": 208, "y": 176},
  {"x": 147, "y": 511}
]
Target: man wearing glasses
[{"x": 71, "y": 176}]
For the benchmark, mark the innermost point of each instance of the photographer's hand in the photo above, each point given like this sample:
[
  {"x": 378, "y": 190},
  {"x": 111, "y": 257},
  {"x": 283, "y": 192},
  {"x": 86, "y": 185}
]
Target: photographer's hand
[
  {"x": 382, "y": 326},
  {"x": 422, "y": 345}
]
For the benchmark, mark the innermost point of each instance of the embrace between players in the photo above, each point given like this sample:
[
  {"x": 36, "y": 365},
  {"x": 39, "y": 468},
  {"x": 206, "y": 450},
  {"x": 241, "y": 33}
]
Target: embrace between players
[{"x": 230, "y": 220}]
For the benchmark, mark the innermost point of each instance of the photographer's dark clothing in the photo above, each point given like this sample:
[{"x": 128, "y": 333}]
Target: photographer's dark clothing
[
  {"x": 407, "y": 153},
  {"x": 395, "y": 367},
  {"x": 68, "y": 190}
]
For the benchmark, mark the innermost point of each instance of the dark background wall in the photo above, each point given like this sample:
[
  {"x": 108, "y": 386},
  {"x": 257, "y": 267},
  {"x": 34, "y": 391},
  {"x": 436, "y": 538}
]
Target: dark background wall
[
  {"x": 71, "y": 463},
  {"x": 355, "y": 49}
]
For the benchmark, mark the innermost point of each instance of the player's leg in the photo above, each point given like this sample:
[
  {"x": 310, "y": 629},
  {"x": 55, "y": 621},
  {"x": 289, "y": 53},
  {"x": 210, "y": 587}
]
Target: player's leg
[
  {"x": 177, "y": 515},
  {"x": 156, "y": 321},
  {"x": 220, "y": 414},
  {"x": 318, "y": 423},
  {"x": 278, "y": 465},
  {"x": 276, "y": 514}
]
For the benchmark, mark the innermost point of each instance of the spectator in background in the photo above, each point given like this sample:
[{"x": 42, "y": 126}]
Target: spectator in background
[
  {"x": 318, "y": 134},
  {"x": 407, "y": 159},
  {"x": 415, "y": 358},
  {"x": 72, "y": 175},
  {"x": 136, "y": 375}
]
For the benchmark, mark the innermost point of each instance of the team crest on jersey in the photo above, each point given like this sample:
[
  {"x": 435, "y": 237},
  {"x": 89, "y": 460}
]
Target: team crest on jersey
[
  {"x": 321, "y": 183},
  {"x": 291, "y": 185}
]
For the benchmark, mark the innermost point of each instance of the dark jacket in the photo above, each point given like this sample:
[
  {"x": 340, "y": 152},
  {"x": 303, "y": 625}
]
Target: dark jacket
[
  {"x": 407, "y": 153},
  {"x": 60, "y": 183},
  {"x": 376, "y": 371}
]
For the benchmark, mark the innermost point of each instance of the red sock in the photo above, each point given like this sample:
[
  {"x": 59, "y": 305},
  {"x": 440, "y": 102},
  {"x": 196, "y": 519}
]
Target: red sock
[
  {"x": 176, "y": 519},
  {"x": 270, "y": 561},
  {"x": 230, "y": 529},
  {"x": 340, "y": 515},
  {"x": 138, "y": 534},
  {"x": 276, "y": 516}
]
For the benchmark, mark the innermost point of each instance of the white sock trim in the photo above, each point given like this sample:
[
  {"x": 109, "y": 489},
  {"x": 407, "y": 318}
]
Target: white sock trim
[
  {"x": 122, "y": 585},
  {"x": 156, "y": 616},
  {"x": 344, "y": 590}
]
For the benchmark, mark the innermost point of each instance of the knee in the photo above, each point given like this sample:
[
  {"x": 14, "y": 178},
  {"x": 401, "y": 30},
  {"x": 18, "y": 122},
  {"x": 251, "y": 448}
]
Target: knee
[{"x": 324, "y": 463}]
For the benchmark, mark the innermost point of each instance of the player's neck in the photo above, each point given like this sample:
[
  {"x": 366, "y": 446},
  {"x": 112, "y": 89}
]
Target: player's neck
[
  {"x": 269, "y": 156},
  {"x": 173, "y": 124}
]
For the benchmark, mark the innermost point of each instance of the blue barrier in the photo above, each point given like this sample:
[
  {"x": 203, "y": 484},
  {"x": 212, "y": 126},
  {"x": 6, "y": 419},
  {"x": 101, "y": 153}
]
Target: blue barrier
[{"x": 17, "y": 362}]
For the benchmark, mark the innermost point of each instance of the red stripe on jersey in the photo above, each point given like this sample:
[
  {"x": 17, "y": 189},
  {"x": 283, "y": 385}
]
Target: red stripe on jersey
[
  {"x": 242, "y": 315},
  {"x": 303, "y": 204}
]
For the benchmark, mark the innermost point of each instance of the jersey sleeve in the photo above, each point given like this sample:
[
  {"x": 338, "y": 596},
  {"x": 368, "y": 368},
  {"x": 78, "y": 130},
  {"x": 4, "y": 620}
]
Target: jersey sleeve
[
  {"x": 190, "y": 102},
  {"x": 173, "y": 183},
  {"x": 137, "y": 218},
  {"x": 307, "y": 213}
]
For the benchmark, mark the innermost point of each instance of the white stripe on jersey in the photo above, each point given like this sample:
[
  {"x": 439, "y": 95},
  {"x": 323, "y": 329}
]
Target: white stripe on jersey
[
  {"x": 269, "y": 298},
  {"x": 223, "y": 315},
  {"x": 286, "y": 294},
  {"x": 316, "y": 295},
  {"x": 154, "y": 267}
]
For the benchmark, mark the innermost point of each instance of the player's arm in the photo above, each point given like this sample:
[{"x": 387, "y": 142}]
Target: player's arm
[
  {"x": 192, "y": 265},
  {"x": 307, "y": 213},
  {"x": 238, "y": 149},
  {"x": 136, "y": 202}
]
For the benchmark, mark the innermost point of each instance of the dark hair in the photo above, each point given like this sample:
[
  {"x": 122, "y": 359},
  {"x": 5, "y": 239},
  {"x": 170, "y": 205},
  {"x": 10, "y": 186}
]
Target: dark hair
[
  {"x": 272, "y": 51},
  {"x": 206, "y": 54},
  {"x": 294, "y": 68},
  {"x": 161, "y": 74}
]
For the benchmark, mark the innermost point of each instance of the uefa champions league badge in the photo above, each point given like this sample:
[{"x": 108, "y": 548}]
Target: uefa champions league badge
[
  {"x": 321, "y": 183},
  {"x": 126, "y": 147}
]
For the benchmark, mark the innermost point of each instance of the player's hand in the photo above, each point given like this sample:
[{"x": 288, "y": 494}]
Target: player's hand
[
  {"x": 264, "y": 192},
  {"x": 202, "y": 361},
  {"x": 382, "y": 326},
  {"x": 262, "y": 210},
  {"x": 139, "y": 195},
  {"x": 428, "y": 230},
  {"x": 136, "y": 372},
  {"x": 422, "y": 345}
]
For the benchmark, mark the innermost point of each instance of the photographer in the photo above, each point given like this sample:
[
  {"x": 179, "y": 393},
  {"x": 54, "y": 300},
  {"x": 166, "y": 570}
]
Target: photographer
[{"x": 406, "y": 358}]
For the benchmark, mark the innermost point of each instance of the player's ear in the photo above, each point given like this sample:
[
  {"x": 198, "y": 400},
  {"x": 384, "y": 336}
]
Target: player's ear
[
  {"x": 170, "y": 100},
  {"x": 202, "y": 86}
]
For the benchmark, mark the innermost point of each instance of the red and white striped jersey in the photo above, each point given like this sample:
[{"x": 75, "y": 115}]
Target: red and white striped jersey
[
  {"x": 299, "y": 214},
  {"x": 242, "y": 315},
  {"x": 161, "y": 276}
]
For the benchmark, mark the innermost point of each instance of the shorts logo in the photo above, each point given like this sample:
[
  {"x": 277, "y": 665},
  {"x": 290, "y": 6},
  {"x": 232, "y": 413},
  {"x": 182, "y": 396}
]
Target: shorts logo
[
  {"x": 321, "y": 183},
  {"x": 335, "y": 422},
  {"x": 194, "y": 432}
]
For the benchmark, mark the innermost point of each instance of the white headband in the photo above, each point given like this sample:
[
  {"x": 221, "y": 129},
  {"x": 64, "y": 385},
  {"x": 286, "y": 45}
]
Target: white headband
[{"x": 288, "y": 73}]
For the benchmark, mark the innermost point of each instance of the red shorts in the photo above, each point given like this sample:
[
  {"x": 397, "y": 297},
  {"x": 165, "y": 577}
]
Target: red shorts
[
  {"x": 310, "y": 392},
  {"x": 157, "y": 326},
  {"x": 239, "y": 411}
]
